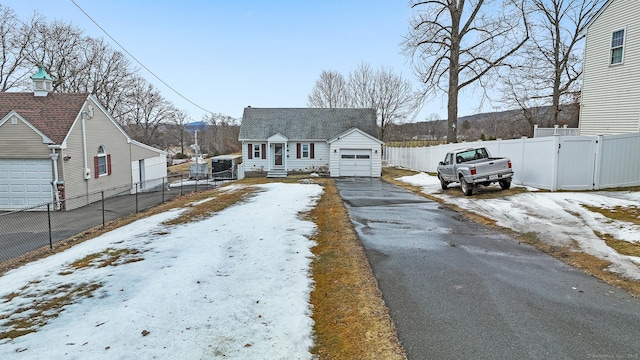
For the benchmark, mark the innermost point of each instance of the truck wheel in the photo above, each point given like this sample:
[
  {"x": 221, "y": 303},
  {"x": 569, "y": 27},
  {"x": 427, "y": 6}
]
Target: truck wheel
[
  {"x": 505, "y": 184},
  {"x": 467, "y": 189},
  {"x": 443, "y": 184}
]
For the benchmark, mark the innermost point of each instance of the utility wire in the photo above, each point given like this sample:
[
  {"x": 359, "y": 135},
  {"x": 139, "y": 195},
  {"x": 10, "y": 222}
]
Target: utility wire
[{"x": 138, "y": 61}]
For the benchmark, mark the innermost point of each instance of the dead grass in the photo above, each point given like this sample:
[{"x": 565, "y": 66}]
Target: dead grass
[
  {"x": 621, "y": 246},
  {"x": 621, "y": 213},
  {"x": 570, "y": 255},
  {"x": 351, "y": 319},
  {"x": 39, "y": 307}
]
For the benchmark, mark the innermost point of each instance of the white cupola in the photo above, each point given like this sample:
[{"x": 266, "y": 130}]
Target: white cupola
[{"x": 42, "y": 82}]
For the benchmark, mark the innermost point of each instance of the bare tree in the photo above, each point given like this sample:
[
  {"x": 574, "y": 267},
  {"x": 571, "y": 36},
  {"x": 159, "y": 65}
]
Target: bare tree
[
  {"x": 394, "y": 99},
  {"x": 389, "y": 94},
  {"x": 362, "y": 87},
  {"x": 148, "y": 111},
  {"x": 456, "y": 43},
  {"x": 15, "y": 38},
  {"x": 551, "y": 67},
  {"x": 329, "y": 91},
  {"x": 224, "y": 131}
]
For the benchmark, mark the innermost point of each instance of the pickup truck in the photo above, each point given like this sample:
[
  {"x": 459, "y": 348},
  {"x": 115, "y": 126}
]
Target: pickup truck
[{"x": 474, "y": 166}]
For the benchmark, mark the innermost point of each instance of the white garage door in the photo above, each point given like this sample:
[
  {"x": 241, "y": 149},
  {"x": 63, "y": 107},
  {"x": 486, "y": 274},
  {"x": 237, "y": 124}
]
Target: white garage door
[
  {"x": 24, "y": 182},
  {"x": 355, "y": 162}
]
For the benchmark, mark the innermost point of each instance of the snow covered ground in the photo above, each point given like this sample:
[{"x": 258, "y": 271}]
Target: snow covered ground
[
  {"x": 234, "y": 286},
  {"x": 557, "y": 217}
]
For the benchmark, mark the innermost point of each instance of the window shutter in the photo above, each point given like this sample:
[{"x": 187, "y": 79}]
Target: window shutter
[
  {"x": 96, "y": 167},
  {"x": 250, "y": 147},
  {"x": 108, "y": 164},
  {"x": 312, "y": 150},
  {"x": 264, "y": 151},
  {"x": 298, "y": 152}
]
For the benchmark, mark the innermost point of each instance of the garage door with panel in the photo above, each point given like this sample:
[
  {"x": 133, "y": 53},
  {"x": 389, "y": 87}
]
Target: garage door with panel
[
  {"x": 355, "y": 162},
  {"x": 24, "y": 182}
]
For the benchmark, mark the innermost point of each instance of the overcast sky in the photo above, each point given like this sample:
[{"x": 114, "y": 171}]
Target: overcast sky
[{"x": 224, "y": 55}]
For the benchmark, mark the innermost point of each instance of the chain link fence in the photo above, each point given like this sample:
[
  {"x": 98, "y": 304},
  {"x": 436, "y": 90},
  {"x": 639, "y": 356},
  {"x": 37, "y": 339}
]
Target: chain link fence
[{"x": 32, "y": 228}]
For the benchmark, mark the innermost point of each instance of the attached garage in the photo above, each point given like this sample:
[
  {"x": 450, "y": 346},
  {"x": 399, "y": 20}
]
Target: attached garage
[
  {"x": 355, "y": 153},
  {"x": 355, "y": 162},
  {"x": 24, "y": 183}
]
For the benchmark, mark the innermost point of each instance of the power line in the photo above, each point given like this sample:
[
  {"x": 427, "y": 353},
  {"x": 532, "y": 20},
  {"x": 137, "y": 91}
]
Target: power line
[{"x": 138, "y": 61}]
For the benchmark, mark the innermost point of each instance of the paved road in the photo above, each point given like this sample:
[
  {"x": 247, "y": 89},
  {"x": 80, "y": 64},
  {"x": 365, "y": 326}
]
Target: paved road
[
  {"x": 459, "y": 290},
  {"x": 22, "y": 232}
]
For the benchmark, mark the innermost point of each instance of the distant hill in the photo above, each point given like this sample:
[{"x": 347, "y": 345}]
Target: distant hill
[{"x": 508, "y": 124}]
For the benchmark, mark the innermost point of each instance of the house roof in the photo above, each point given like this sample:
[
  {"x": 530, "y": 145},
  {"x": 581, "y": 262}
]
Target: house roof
[
  {"x": 305, "y": 123},
  {"x": 602, "y": 9},
  {"x": 53, "y": 114}
]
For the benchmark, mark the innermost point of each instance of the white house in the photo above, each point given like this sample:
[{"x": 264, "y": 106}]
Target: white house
[
  {"x": 340, "y": 142},
  {"x": 611, "y": 93}
]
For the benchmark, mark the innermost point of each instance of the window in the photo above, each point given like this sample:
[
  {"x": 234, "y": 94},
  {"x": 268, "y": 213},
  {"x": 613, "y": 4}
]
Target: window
[
  {"x": 256, "y": 151},
  {"x": 363, "y": 157},
  {"x": 102, "y": 163},
  {"x": 617, "y": 47},
  {"x": 305, "y": 150},
  {"x": 348, "y": 156}
]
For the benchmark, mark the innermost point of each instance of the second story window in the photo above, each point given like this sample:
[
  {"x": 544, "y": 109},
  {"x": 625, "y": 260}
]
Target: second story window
[{"x": 617, "y": 47}]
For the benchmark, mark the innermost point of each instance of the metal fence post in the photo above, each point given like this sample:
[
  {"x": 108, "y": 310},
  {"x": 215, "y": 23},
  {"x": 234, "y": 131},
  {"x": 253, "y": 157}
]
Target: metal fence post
[
  {"x": 163, "y": 190},
  {"x": 181, "y": 183},
  {"x": 49, "y": 220},
  {"x": 137, "y": 197}
]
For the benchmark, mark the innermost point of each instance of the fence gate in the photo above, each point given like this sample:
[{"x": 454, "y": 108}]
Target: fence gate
[{"x": 576, "y": 163}]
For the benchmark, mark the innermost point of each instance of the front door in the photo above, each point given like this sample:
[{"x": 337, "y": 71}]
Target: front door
[{"x": 277, "y": 159}]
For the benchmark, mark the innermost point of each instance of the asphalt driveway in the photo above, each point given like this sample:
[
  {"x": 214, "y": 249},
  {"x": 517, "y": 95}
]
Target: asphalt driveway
[{"x": 460, "y": 290}]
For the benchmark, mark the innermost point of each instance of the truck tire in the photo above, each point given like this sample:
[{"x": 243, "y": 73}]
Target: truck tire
[
  {"x": 443, "y": 184},
  {"x": 505, "y": 184},
  {"x": 467, "y": 189}
]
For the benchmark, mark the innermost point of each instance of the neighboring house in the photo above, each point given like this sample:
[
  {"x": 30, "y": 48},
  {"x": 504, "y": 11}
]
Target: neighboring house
[
  {"x": 55, "y": 147},
  {"x": 340, "y": 142},
  {"x": 610, "y": 101}
]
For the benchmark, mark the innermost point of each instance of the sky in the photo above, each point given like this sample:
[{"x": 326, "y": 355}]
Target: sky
[
  {"x": 222, "y": 287},
  {"x": 224, "y": 55},
  {"x": 225, "y": 287}
]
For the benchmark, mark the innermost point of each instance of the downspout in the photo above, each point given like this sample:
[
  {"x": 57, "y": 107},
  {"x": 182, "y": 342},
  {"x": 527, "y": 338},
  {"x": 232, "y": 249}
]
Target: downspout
[
  {"x": 87, "y": 171},
  {"x": 54, "y": 159}
]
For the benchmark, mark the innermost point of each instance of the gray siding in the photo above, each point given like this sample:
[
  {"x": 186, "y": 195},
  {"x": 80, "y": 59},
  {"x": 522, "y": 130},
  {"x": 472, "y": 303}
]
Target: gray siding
[
  {"x": 100, "y": 131},
  {"x": 610, "y": 94},
  {"x": 20, "y": 141}
]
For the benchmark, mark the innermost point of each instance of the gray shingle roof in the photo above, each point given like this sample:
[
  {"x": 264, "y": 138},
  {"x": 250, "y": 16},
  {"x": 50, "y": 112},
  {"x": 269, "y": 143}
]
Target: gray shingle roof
[{"x": 305, "y": 123}]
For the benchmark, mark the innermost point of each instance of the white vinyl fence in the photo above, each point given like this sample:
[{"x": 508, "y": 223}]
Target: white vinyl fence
[{"x": 551, "y": 163}]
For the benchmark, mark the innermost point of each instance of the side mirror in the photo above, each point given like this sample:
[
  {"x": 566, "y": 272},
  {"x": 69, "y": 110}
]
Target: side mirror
[{"x": 441, "y": 163}]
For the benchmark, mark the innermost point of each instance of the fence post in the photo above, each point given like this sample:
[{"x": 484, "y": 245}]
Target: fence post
[
  {"x": 102, "y": 196},
  {"x": 49, "y": 220},
  {"x": 181, "y": 183},
  {"x": 163, "y": 190}
]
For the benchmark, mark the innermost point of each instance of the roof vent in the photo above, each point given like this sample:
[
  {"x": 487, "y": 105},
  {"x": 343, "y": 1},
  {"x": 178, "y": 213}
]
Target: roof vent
[{"x": 42, "y": 82}]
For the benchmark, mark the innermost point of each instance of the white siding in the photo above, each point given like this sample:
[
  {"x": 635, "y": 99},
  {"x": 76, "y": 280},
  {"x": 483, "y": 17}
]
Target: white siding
[
  {"x": 320, "y": 159},
  {"x": 357, "y": 141},
  {"x": 610, "y": 94},
  {"x": 254, "y": 164}
]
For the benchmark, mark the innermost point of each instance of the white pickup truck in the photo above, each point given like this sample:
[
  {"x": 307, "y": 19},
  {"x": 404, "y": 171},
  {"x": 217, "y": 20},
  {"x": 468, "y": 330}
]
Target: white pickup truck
[{"x": 474, "y": 166}]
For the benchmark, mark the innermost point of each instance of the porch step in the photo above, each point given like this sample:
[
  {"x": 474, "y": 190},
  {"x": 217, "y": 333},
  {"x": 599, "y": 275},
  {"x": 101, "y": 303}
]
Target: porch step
[{"x": 277, "y": 174}]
